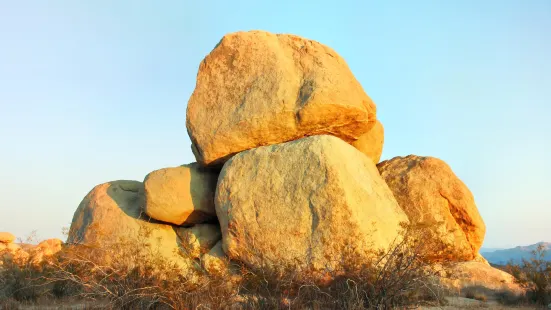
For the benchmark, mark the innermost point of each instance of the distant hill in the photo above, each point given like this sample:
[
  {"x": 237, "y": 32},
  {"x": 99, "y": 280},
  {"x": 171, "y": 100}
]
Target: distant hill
[
  {"x": 486, "y": 250},
  {"x": 502, "y": 257}
]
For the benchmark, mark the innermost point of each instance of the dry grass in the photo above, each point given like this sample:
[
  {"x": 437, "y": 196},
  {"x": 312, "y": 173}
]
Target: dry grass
[{"x": 126, "y": 277}]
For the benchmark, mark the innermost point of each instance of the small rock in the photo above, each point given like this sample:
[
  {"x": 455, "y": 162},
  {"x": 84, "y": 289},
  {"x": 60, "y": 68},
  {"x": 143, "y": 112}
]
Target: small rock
[
  {"x": 6, "y": 237},
  {"x": 181, "y": 195},
  {"x": 371, "y": 143},
  {"x": 214, "y": 262},
  {"x": 199, "y": 239}
]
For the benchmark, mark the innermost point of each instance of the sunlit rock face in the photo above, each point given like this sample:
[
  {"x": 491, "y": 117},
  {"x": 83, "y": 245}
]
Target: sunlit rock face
[{"x": 433, "y": 196}]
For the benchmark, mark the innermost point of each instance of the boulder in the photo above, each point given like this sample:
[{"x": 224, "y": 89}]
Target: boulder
[
  {"x": 6, "y": 237},
  {"x": 462, "y": 276},
  {"x": 111, "y": 217},
  {"x": 181, "y": 195},
  {"x": 371, "y": 142},
  {"x": 199, "y": 239},
  {"x": 257, "y": 88},
  {"x": 308, "y": 204},
  {"x": 433, "y": 196}
]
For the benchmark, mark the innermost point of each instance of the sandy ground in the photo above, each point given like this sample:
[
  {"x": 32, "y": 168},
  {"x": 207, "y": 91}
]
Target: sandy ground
[{"x": 466, "y": 303}]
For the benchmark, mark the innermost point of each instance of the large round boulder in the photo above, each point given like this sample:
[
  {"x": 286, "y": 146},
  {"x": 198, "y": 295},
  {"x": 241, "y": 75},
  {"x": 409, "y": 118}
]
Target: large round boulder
[
  {"x": 310, "y": 205},
  {"x": 181, "y": 195},
  {"x": 111, "y": 217},
  {"x": 435, "y": 198},
  {"x": 257, "y": 88}
]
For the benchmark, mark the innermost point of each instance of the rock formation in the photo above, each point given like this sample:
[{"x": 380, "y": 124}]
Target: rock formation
[
  {"x": 297, "y": 140},
  {"x": 6, "y": 237},
  {"x": 371, "y": 142},
  {"x": 24, "y": 254},
  {"x": 432, "y": 195}
]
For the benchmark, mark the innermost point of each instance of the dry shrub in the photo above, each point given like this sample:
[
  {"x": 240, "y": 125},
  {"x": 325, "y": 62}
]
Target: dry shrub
[
  {"x": 534, "y": 274},
  {"x": 129, "y": 276},
  {"x": 473, "y": 293}
]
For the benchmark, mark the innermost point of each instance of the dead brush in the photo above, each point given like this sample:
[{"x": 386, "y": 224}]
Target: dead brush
[{"x": 126, "y": 275}]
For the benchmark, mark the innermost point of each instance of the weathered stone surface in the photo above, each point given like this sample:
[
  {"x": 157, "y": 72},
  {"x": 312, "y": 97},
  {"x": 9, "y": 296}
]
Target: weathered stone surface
[
  {"x": 304, "y": 204},
  {"x": 181, "y": 195},
  {"x": 12, "y": 252},
  {"x": 6, "y": 237},
  {"x": 479, "y": 258},
  {"x": 214, "y": 262},
  {"x": 199, "y": 239},
  {"x": 45, "y": 249},
  {"x": 256, "y": 88},
  {"x": 371, "y": 142},
  {"x": 431, "y": 195},
  {"x": 462, "y": 275},
  {"x": 111, "y": 215}
]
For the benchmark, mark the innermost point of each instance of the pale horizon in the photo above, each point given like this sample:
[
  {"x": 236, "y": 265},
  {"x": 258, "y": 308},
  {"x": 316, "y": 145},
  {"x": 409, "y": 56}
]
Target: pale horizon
[{"x": 96, "y": 91}]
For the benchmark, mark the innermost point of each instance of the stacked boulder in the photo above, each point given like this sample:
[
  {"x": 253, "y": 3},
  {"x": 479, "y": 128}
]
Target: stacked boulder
[
  {"x": 22, "y": 254},
  {"x": 287, "y": 145}
]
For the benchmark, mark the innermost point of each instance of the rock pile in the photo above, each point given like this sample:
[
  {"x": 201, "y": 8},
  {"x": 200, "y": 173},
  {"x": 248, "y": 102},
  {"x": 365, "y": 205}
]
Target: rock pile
[
  {"x": 287, "y": 145},
  {"x": 26, "y": 253}
]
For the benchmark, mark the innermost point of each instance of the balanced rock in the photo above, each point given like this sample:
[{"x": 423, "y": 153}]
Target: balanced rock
[
  {"x": 6, "y": 237},
  {"x": 199, "y": 239},
  {"x": 305, "y": 204},
  {"x": 433, "y": 196},
  {"x": 371, "y": 142},
  {"x": 256, "y": 88},
  {"x": 181, "y": 195},
  {"x": 45, "y": 249},
  {"x": 111, "y": 217}
]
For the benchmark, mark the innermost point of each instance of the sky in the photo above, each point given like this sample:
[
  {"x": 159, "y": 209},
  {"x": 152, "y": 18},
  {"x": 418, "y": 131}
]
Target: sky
[{"x": 95, "y": 91}]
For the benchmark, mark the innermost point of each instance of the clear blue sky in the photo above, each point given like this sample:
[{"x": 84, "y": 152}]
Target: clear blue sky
[{"x": 93, "y": 91}]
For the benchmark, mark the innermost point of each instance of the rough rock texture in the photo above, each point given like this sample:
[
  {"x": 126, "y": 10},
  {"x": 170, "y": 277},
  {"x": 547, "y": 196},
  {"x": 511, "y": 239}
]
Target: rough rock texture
[
  {"x": 6, "y": 237},
  {"x": 463, "y": 275},
  {"x": 14, "y": 253},
  {"x": 111, "y": 215},
  {"x": 479, "y": 258},
  {"x": 214, "y": 262},
  {"x": 304, "y": 204},
  {"x": 256, "y": 88},
  {"x": 45, "y": 249},
  {"x": 199, "y": 239},
  {"x": 371, "y": 142},
  {"x": 181, "y": 195},
  {"x": 432, "y": 195}
]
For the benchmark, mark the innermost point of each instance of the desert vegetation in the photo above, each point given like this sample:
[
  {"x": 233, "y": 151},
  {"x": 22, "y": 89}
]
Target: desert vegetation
[
  {"x": 125, "y": 277},
  {"x": 534, "y": 275}
]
